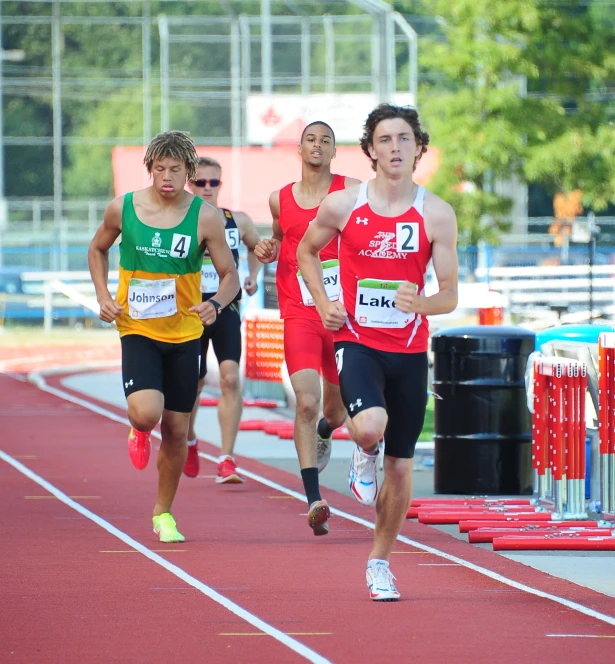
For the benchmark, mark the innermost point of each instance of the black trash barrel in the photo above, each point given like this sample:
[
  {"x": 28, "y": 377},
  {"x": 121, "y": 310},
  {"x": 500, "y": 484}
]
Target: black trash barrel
[
  {"x": 482, "y": 426},
  {"x": 270, "y": 298}
]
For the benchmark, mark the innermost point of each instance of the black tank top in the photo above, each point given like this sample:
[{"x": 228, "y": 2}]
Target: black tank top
[{"x": 233, "y": 237}]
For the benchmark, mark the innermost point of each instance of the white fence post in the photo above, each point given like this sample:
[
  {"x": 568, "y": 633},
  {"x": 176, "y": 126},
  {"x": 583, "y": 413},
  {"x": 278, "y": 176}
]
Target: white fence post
[{"x": 48, "y": 307}]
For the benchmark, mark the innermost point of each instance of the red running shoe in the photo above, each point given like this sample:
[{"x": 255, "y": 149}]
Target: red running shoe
[
  {"x": 139, "y": 446},
  {"x": 318, "y": 516},
  {"x": 227, "y": 472},
  {"x": 191, "y": 467}
]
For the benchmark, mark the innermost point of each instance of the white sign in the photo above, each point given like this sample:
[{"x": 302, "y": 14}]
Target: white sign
[
  {"x": 281, "y": 118},
  {"x": 151, "y": 298}
]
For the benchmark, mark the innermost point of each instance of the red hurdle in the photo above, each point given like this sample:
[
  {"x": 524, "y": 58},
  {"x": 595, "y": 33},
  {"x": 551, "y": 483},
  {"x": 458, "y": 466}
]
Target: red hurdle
[
  {"x": 556, "y": 517},
  {"x": 558, "y": 435},
  {"x": 606, "y": 426}
]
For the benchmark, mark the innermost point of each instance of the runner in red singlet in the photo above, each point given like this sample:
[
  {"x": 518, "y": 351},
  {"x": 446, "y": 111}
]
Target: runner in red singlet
[
  {"x": 308, "y": 347},
  {"x": 388, "y": 229}
]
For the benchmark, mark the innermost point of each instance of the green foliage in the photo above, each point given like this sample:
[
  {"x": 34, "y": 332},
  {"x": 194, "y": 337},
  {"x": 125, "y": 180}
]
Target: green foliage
[
  {"x": 558, "y": 134},
  {"x": 476, "y": 61}
]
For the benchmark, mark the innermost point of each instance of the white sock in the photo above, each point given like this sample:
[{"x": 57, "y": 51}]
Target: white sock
[
  {"x": 377, "y": 561},
  {"x": 192, "y": 443},
  {"x": 224, "y": 457}
]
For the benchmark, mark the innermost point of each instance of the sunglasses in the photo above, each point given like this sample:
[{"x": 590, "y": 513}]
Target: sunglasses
[{"x": 214, "y": 182}]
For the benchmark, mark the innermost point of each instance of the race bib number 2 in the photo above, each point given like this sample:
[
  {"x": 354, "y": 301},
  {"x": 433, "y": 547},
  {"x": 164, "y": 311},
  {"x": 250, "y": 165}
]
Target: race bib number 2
[
  {"x": 406, "y": 237},
  {"x": 331, "y": 281},
  {"x": 375, "y": 305}
]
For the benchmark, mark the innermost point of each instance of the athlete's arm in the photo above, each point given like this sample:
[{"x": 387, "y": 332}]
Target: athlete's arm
[
  {"x": 249, "y": 236},
  {"x": 268, "y": 250},
  {"x": 211, "y": 233},
  {"x": 441, "y": 228},
  {"x": 332, "y": 216},
  {"x": 98, "y": 259}
]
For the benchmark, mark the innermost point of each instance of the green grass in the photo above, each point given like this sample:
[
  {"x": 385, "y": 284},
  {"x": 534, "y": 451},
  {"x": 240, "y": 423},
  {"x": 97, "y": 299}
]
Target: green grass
[{"x": 427, "y": 433}]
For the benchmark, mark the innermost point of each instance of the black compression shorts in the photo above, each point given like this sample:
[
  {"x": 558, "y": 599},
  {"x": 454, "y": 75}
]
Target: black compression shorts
[
  {"x": 396, "y": 382},
  {"x": 172, "y": 369},
  {"x": 225, "y": 335}
]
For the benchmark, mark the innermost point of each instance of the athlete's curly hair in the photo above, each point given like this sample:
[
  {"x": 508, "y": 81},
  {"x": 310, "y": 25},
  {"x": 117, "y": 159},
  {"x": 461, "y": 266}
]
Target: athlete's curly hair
[
  {"x": 175, "y": 144},
  {"x": 389, "y": 112}
]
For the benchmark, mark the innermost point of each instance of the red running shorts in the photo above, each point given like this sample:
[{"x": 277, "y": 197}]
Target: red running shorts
[{"x": 307, "y": 345}]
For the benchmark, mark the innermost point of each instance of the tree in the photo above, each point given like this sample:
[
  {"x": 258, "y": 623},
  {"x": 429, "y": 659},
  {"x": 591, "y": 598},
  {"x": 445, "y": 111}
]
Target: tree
[
  {"x": 517, "y": 94},
  {"x": 577, "y": 147},
  {"x": 477, "y": 117}
]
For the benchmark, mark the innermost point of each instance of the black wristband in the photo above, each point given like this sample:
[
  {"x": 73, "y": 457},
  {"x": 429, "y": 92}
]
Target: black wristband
[{"x": 217, "y": 306}]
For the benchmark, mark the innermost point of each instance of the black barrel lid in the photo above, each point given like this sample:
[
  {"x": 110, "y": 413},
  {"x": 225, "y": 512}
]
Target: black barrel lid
[{"x": 485, "y": 338}]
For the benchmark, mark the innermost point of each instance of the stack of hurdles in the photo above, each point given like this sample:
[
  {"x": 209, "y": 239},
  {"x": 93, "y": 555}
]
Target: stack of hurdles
[
  {"x": 514, "y": 524},
  {"x": 283, "y": 428},
  {"x": 556, "y": 518}
]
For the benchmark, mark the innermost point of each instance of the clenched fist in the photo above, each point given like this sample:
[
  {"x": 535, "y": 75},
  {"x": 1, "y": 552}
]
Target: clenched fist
[
  {"x": 266, "y": 250},
  {"x": 206, "y": 311},
  {"x": 109, "y": 309},
  {"x": 333, "y": 315},
  {"x": 406, "y": 297}
]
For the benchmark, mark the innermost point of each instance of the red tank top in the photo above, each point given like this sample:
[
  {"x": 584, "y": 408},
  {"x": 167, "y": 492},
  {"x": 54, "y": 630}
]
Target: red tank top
[
  {"x": 294, "y": 222},
  {"x": 375, "y": 254}
]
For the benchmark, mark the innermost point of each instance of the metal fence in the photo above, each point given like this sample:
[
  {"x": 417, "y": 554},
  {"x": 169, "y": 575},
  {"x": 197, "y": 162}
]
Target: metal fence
[{"x": 191, "y": 71}]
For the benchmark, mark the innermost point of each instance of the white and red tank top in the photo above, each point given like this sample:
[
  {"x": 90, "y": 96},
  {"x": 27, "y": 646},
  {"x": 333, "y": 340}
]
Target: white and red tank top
[
  {"x": 293, "y": 297},
  {"x": 376, "y": 254}
]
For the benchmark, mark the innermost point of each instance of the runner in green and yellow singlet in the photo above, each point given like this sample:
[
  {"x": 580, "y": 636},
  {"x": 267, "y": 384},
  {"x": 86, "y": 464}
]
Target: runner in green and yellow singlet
[{"x": 158, "y": 309}]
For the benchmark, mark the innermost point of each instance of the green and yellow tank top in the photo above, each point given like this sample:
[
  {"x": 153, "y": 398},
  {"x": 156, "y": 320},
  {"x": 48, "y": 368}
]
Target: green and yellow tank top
[{"x": 160, "y": 277}]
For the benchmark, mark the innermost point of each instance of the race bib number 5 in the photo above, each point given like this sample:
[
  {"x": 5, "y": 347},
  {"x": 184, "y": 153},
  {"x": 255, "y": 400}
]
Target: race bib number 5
[
  {"x": 151, "y": 298},
  {"x": 375, "y": 306},
  {"x": 232, "y": 238},
  {"x": 331, "y": 280}
]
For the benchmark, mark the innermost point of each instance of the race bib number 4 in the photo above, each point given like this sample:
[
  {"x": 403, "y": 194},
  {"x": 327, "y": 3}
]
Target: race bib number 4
[
  {"x": 180, "y": 246},
  {"x": 209, "y": 277},
  {"x": 375, "y": 306},
  {"x": 331, "y": 280},
  {"x": 151, "y": 298}
]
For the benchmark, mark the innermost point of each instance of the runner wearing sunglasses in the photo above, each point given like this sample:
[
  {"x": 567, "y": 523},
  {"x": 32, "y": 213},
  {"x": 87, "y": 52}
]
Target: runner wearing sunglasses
[
  {"x": 225, "y": 333},
  {"x": 308, "y": 347}
]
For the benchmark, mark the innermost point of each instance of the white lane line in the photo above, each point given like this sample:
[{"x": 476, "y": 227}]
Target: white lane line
[
  {"x": 582, "y": 636},
  {"x": 38, "y": 379},
  {"x": 610, "y": 620},
  {"x": 250, "y": 618}
]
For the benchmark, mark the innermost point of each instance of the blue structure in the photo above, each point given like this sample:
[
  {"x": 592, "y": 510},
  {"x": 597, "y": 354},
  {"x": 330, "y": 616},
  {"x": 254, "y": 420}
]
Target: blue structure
[{"x": 584, "y": 334}]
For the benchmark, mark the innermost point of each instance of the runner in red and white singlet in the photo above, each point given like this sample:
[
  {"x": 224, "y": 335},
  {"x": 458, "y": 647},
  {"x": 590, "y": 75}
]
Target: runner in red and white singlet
[
  {"x": 388, "y": 230},
  {"x": 308, "y": 346},
  {"x": 293, "y": 300},
  {"x": 376, "y": 254}
]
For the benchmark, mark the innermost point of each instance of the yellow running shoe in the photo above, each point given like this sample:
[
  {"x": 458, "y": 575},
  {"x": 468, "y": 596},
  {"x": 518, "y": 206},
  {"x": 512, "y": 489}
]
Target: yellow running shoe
[{"x": 165, "y": 526}]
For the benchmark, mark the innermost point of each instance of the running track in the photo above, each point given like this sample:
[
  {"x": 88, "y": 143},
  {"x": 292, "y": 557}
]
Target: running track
[{"x": 85, "y": 580}]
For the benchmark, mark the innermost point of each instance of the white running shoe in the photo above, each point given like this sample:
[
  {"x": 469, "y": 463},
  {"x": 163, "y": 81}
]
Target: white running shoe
[
  {"x": 380, "y": 581},
  {"x": 362, "y": 476},
  {"x": 324, "y": 451}
]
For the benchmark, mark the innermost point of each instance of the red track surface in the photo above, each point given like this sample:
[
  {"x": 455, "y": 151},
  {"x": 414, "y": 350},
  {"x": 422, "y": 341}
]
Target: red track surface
[{"x": 69, "y": 597}]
